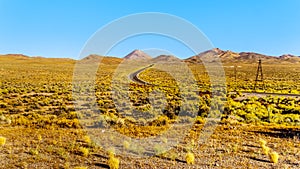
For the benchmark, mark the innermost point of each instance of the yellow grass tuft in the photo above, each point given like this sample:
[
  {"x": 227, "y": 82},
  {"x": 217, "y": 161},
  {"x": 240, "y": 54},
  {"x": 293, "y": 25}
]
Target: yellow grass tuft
[
  {"x": 2, "y": 141},
  {"x": 113, "y": 162},
  {"x": 33, "y": 151},
  {"x": 190, "y": 158},
  {"x": 87, "y": 139},
  {"x": 266, "y": 149},
  {"x": 84, "y": 151},
  {"x": 39, "y": 137},
  {"x": 262, "y": 142},
  {"x": 274, "y": 157}
]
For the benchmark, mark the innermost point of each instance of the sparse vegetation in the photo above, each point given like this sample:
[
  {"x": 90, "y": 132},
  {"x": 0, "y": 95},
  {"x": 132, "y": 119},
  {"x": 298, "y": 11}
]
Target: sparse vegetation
[
  {"x": 113, "y": 162},
  {"x": 84, "y": 151},
  {"x": 34, "y": 151},
  {"x": 41, "y": 125},
  {"x": 2, "y": 141},
  {"x": 87, "y": 139},
  {"x": 190, "y": 158},
  {"x": 262, "y": 142},
  {"x": 265, "y": 149},
  {"x": 274, "y": 157}
]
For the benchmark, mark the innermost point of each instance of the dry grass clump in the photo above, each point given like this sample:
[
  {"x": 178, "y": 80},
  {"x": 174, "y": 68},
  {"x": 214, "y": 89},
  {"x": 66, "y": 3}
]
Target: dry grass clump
[
  {"x": 84, "y": 151},
  {"x": 190, "y": 158},
  {"x": 274, "y": 157},
  {"x": 113, "y": 162},
  {"x": 266, "y": 149},
  {"x": 39, "y": 137},
  {"x": 33, "y": 151},
  {"x": 87, "y": 139},
  {"x": 262, "y": 142},
  {"x": 2, "y": 141}
]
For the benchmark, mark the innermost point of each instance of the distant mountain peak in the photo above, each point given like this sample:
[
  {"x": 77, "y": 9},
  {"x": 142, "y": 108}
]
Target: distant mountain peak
[
  {"x": 166, "y": 58},
  {"x": 138, "y": 55}
]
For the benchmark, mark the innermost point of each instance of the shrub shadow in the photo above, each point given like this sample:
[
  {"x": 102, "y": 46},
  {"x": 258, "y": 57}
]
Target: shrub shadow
[
  {"x": 261, "y": 160},
  {"x": 101, "y": 165},
  {"x": 281, "y": 133}
]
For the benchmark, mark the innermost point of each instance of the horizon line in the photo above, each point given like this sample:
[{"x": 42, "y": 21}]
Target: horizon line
[{"x": 74, "y": 58}]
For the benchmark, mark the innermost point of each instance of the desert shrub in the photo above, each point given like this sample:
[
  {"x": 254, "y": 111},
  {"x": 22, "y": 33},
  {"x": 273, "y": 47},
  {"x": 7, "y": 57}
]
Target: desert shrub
[
  {"x": 33, "y": 151},
  {"x": 87, "y": 139},
  {"x": 265, "y": 149},
  {"x": 72, "y": 115},
  {"x": 274, "y": 157},
  {"x": 262, "y": 142},
  {"x": 203, "y": 110},
  {"x": 2, "y": 141},
  {"x": 113, "y": 162},
  {"x": 190, "y": 158},
  {"x": 39, "y": 137},
  {"x": 199, "y": 120},
  {"x": 84, "y": 151}
]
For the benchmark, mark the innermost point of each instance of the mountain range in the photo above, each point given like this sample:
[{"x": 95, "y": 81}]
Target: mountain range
[
  {"x": 225, "y": 56},
  {"x": 248, "y": 57}
]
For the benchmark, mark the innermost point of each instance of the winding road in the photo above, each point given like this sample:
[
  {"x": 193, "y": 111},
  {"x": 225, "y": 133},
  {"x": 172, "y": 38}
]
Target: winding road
[{"x": 134, "y": 77}]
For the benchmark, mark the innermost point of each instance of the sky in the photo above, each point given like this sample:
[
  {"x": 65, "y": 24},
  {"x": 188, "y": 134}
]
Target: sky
[{"x": 61, "y": 28}]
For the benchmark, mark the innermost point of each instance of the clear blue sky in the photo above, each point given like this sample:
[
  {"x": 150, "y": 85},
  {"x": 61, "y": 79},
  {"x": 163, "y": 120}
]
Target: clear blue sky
[{"x": 60, "y": 28}]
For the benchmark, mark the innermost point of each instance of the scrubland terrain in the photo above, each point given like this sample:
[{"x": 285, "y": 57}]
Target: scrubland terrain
[{"x": 42, "y": 124}]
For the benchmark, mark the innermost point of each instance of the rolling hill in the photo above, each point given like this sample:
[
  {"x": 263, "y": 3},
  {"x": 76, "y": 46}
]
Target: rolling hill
[{"x": 166, "y": 58}]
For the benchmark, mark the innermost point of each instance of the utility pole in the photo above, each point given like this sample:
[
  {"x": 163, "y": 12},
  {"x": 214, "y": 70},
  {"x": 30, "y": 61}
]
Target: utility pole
[{"x": 259, "y": 75}]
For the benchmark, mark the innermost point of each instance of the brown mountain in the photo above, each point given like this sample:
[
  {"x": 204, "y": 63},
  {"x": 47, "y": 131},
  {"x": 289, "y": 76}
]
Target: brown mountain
[
  {"x": 33, "y": 58},
  {"x": 137, "y": 55},
  {"x": 166, "y": 58},
  {"x": 16, "y": 56},
  {"x": 245, "y": 57},
  {"x": 92, "y": 57},
  {"x": 205, "y": 55},
  {"x": 103, "y": 59},
  {"x": 290, "y": 58}
]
